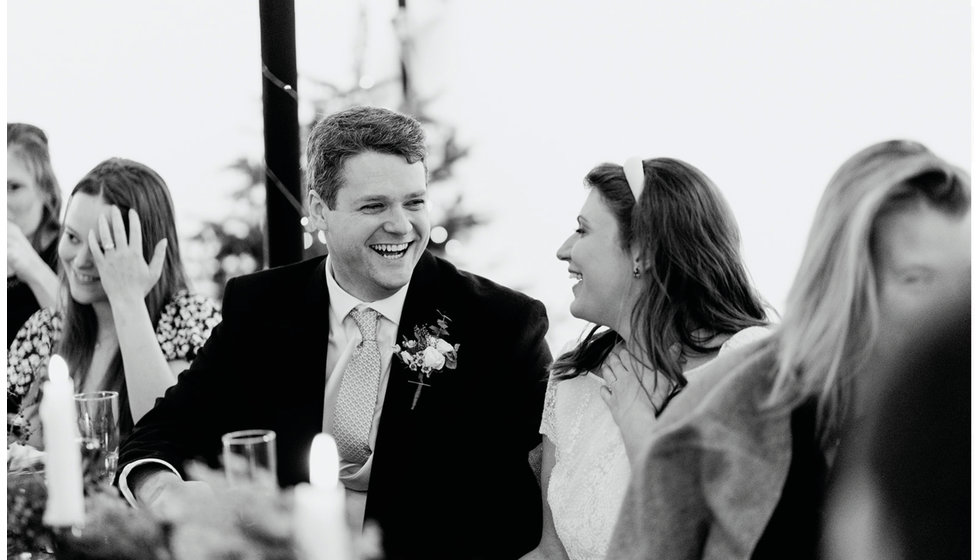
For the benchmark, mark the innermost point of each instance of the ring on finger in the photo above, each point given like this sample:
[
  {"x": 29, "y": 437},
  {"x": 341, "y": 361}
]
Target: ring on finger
[{"x": 108, "y": 246}]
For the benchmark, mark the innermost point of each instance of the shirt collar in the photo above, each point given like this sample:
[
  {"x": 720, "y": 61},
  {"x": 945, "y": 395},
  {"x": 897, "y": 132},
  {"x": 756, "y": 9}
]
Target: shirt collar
[{"x": 342, "y": 302}]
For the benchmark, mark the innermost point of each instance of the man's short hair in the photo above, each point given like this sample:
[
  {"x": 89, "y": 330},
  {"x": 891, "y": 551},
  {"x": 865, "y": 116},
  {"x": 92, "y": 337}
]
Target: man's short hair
[{"x": 353, "y": 131}]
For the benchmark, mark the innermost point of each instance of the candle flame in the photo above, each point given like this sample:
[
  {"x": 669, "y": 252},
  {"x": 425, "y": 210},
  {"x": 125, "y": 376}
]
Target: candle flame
[
  {"x": 57, "y": 368},
  {"x": 324, "y": 462}
]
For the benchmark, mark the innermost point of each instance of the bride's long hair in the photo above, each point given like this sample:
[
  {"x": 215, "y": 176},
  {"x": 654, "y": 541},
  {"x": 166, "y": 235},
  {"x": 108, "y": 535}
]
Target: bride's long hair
[{"x": 697, "y": 286}]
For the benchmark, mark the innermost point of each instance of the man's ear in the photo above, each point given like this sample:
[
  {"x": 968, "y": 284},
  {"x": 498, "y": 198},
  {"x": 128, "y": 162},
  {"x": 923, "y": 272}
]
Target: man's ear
[{"x": 318, "y": 211}]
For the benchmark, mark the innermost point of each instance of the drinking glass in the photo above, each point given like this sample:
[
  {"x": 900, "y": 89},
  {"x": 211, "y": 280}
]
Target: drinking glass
[
  {"x": 250, "y": 458},
  {"x": 98, "y": 427}
]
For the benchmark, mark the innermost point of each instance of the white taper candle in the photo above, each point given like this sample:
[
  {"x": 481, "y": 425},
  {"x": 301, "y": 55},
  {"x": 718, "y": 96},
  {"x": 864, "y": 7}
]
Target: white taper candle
[
  {"x": 62, "y": 458},
  {"x": 321, "y": 513}
]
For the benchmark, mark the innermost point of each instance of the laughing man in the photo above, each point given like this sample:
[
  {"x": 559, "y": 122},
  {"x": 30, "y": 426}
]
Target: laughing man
[{"x": 433, "y": 434}]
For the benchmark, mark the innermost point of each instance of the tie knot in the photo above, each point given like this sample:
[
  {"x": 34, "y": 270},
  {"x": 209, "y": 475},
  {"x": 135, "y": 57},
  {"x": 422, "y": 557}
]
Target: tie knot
[{"x": 367, "y": 322}]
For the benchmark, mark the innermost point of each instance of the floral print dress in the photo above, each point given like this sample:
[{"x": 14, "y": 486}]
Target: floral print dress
[{"x": 184, "y": 326}]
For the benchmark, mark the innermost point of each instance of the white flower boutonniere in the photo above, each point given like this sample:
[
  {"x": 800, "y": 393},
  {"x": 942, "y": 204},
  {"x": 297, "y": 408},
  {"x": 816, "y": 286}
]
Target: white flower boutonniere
[{"x": 427, "y": 352}]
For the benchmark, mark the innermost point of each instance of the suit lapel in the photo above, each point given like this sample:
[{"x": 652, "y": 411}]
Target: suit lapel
[
  {"x": 308, "y": 339},
  {"x": 420, "y": 304},
  {"x": 315, "y": 328}
]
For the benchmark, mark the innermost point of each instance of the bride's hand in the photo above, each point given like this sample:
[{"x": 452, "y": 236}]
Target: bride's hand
[
  {"x": 627, "y": 392},
  {"x": 125, "y": 274}
]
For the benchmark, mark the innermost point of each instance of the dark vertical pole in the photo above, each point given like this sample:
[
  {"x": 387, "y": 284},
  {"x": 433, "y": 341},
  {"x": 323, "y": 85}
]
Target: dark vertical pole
[
  {"x": 284, "y": 236},
  {"x": 402, "y": 11}
]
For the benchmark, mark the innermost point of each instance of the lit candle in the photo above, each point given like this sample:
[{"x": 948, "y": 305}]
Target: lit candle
[
  {"x": 63, "y": 457},
  {"x": 320, "y": 510}
]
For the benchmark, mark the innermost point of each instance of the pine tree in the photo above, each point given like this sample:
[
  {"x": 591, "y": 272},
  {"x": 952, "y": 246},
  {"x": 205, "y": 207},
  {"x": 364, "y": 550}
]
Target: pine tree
[{"x": 234, "y": 245}]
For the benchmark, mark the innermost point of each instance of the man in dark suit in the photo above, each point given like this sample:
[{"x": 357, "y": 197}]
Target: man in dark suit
[{"x": 433, "y": 445}]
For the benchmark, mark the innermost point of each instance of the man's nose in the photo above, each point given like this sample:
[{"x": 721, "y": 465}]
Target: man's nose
[{"x": 398, "y": 222}]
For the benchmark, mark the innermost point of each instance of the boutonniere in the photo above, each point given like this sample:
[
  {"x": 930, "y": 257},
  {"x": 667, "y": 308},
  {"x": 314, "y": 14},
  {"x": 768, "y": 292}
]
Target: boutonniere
[{"x": 427, "y": 352}]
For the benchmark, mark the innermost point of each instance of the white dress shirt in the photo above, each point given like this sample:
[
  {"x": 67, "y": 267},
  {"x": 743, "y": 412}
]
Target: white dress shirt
[{"x": 343, "y": 339}]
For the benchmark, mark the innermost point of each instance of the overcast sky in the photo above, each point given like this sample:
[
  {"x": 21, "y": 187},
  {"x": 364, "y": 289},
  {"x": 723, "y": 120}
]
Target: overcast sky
[{"x": 766, "y": 97}]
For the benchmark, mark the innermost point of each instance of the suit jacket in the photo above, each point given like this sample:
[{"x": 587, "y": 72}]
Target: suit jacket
[{"x": 451, "y": 478}]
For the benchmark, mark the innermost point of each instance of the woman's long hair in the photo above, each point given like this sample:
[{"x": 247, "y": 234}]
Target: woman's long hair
[
  {"x": 831, "y": 320},
  {"x": 30, "y": 144},
  {"x": 126, "y": 184},
  {"x": 696, "y": 287}
]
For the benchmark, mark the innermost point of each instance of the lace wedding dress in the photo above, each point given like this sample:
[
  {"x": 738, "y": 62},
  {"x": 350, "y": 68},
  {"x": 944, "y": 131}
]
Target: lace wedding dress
[{"x": 591, "y": 471}]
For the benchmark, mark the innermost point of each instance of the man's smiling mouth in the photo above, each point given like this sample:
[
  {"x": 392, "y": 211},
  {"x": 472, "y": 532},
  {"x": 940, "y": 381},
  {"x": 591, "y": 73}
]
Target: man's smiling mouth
[{"x": 391, "y": 251}]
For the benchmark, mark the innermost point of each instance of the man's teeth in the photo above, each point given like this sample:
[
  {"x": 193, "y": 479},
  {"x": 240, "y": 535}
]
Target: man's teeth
[
  {"x": 574, "y": 276},
  {"x": 391, "y": 251}
]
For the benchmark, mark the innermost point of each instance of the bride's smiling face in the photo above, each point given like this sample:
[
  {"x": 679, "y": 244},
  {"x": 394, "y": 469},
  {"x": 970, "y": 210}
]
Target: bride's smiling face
[{"x": 599, "y": 265}]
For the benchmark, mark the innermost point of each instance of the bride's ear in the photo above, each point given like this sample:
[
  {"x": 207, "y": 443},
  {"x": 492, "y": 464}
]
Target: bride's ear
[{"x": 637, "y": 260}]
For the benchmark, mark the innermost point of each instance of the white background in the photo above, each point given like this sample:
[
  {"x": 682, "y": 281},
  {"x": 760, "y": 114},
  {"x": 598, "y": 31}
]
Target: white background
[{"x": 766, "y": 97}]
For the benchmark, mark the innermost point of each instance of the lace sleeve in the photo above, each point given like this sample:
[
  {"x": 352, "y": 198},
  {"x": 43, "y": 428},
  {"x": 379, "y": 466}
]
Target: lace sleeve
[
  {"x": 548, "y": 423},
  {"x": 186, "y": 324}
]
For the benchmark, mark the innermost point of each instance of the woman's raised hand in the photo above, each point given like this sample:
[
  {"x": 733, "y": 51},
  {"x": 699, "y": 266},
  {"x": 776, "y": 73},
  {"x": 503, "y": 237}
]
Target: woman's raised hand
[
  {"x": 20, "y": 254},
  {"x": 124, "y": 272},
  {"x": 628, "y": 392}
]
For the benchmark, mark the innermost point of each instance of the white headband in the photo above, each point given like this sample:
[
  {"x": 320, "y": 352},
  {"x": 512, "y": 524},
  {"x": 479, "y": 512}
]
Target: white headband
[{"x": 633, "y": 167}]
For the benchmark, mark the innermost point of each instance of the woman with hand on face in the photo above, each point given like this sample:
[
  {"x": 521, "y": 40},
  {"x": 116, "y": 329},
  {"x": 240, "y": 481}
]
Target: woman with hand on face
[
  {"x": 741, "y": 474},
  {"x": 129, "y": 324},
  {"x": 33, "y": 209},
  {"x": 656, "y": 256}
]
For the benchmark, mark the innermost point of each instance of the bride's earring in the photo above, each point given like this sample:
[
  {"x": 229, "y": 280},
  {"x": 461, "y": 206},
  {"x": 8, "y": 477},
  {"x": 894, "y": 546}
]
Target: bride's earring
[{"x": 636, "y": 272}]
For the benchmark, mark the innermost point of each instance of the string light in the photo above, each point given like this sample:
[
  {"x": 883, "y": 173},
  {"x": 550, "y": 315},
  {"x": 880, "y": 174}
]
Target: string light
[
  {"x": 285, "y": 192},
  {"x": 438, "y": 235},
  {"x": 290, "y": 90}
]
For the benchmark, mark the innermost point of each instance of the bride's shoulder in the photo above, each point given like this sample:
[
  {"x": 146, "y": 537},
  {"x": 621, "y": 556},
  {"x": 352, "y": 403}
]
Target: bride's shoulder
[
  {"x": 571, "y": 382},
  {"x": 569, "y": 390}
]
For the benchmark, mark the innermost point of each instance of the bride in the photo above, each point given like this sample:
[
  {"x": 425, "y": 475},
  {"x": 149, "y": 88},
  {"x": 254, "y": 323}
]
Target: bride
[{"x": 656, "y": 256}]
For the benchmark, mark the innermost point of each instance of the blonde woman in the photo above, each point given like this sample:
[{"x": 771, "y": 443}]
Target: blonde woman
[
  {"x": 740, "y": 469},
  {"x": 33, "y": 211}
]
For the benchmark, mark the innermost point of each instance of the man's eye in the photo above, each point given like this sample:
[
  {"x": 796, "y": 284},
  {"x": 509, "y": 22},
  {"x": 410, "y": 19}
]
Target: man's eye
[
  {"x": 372, "y": 207},
  {"x": 12, "y": 186},
  {"x": 417, "y": 203}
]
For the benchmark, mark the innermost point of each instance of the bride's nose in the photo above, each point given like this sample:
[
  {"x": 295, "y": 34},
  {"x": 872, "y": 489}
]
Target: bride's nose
[{"x": 565, "y": 251}]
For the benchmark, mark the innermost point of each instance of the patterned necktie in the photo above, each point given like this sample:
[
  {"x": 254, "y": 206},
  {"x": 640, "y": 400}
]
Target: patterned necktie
[{"x": 354, "y": 411}]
